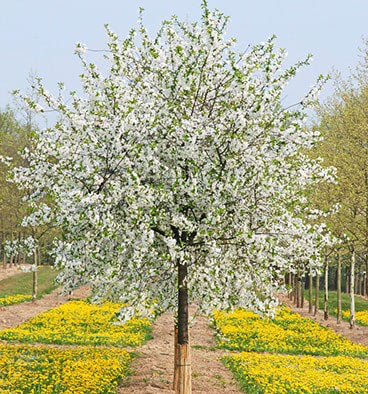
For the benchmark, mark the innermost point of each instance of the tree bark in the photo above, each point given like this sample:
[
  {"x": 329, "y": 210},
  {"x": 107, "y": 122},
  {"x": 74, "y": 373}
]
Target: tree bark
[
  {"x": 338, "y": 288},
  {"x": 347, "y": 281},
  {"x": 310, "y": 310},
  {"x": 352, "y": 299},
  {"x": 290, "y": 283},
  {"x": 3, "y": 244},
  {"x": 297, "y": 291},
  {"x": 316, "y": 300},
  {"x": 302, "y": 285},
  {"x": 294, "y": 288},
  {"x": 325, "y": 290},
  {"x": 11, "y": 257},
  {"x": 34, "y": 276},
  {"x": 291, "y": 294},
  {"x": 182, "y": 372}
]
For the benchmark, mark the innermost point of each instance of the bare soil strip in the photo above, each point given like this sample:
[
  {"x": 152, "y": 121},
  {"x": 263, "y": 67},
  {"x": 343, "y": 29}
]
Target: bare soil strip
[
  {"x": 10, "y": 271},
  {"x": 154, "y": 366},
  {"x": 12, "y": 315},
  {"x": 359, "y": 334}
]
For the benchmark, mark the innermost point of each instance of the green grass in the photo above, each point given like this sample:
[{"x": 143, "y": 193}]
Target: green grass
[
  {"x": 22, "y": 283},
  {"x": 360, "y": 303}
]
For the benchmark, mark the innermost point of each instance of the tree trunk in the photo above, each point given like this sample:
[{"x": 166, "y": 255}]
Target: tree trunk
[
  {"x": 365, "y": 284},
  {"x": 310, "y": 293},
  {"x": 325, "y": 292},
  {"x": 297, "y": 291},
  {"x": 347, "y": 281},
  {"x": 182, "y": 372},
  {"x": 338, "y": 288},
  {"x": 316, "y": 300},
  {"x": 290, "y": 283},
  {"x": 352, "y": 299},
  {"x": 302, "y": 285},
  {"x": 11, "y": 257},
  {"x": 3, "y": 249},
  {"x": 34, "y": 276}
]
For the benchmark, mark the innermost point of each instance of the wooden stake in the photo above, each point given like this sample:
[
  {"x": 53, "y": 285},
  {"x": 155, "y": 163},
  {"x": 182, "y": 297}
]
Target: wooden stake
[{"x": 183, "y": 382}]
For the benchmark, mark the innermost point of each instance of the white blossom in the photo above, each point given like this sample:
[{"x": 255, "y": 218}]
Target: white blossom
[{"x": 182, "y": 153}]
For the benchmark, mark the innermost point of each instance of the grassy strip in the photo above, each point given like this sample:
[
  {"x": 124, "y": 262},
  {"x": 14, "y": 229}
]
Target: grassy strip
[
  {"x": 21, "y": 284},
  {"x": 81, "y": 323},
  {"x": 287, "y": 333},
  {"x": 361, "y": 304},
  {"x": 273, "y": 373},
  {"x": 42, "y": 369}
]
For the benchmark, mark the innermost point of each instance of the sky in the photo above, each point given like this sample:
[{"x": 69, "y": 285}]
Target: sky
[{"x": 39, "y": 36}]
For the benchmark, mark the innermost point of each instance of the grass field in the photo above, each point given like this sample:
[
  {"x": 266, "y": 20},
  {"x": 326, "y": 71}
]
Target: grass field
[
  {"x": 360, "y": 303},
  {"x": 22, "y": 283}
]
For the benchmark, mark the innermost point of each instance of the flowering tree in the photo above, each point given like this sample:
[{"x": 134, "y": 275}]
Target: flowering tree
[{"x": 178, "y": 177}]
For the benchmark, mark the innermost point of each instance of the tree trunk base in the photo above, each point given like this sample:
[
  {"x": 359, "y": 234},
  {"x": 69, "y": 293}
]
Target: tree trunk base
[{"x": 183, "y": 369}]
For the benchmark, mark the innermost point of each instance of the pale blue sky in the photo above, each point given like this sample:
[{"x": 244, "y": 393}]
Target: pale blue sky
[{"x": 39, "y": 35}]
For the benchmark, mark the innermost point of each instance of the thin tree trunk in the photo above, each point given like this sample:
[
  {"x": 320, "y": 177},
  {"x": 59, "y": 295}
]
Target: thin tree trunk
[
  {"x": 3, "y": 244},
  {"x": 298, "y": 291},
  {"x": 316, "y": 300},
  {"x": 39, "y": 260},
  {"x": 325, "y": 292},
  {"x": 352, "y": 299},
  {"x": 11, "y": 257},
  {"x": 310, "y": 293},
  {"x": 347, "y": 281},
  {"x": 34, "y": 276},
  {"x": 182, "y": 372},
  {"x": 302, "y": 285},
  {"x": 338, "y": 288},
  {"x": 290, "y": 294}
]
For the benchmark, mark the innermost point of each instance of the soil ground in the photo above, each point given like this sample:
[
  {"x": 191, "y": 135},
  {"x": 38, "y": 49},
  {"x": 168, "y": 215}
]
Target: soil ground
[
  {"x": 154, "y": 368},
  {"x": 10, "y": 271}
]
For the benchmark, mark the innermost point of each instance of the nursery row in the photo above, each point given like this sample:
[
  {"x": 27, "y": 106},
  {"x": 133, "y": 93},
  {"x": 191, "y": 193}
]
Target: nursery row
[
  {"x": 80, "y": 323},
  {"x": 341, "y": 368},
  {"x": 74, "y": 369}
]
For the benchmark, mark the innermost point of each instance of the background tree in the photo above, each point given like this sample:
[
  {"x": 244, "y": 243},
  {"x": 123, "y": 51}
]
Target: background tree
[{"x": 343, "y": 123}]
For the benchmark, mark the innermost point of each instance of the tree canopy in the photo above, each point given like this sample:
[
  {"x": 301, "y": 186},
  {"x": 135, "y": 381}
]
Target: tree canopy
[{"x": 179, "y": 171}]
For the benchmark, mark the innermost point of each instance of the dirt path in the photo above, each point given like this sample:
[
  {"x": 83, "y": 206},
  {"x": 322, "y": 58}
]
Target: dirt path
[
  {"x": 10, "y": 271},
  {"x": 12, "y": 315},
  {"x": 154, "y": 368},
  {"x": 359, "y": 334}
]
